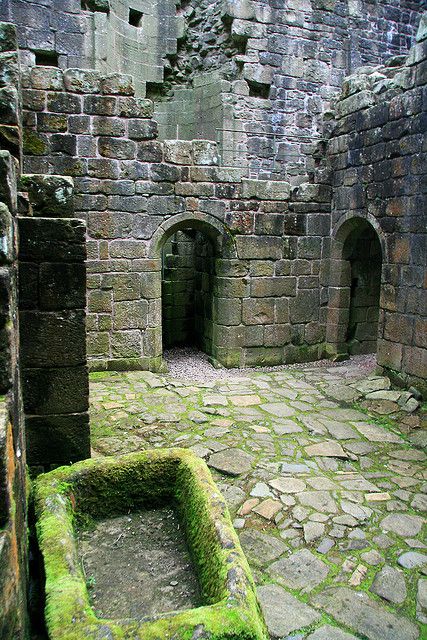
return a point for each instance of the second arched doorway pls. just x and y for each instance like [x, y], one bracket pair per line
[355, 287]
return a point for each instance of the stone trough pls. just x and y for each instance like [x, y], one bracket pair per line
[107, 487]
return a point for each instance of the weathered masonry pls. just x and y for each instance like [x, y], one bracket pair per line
[248, 176]
[277, 214]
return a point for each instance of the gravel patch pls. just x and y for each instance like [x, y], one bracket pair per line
[190, 364]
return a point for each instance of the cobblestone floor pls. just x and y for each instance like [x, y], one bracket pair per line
[328, 490]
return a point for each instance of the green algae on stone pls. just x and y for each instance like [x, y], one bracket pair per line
[100, 488]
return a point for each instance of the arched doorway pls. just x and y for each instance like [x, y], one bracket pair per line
[355, 287]
[192, 254]
[188, 276]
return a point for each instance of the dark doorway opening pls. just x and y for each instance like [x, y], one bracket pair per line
[188, 272]
[362, 250]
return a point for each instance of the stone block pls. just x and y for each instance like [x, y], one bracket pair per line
[259, 73]
[135, 108]
[305, 306]
[8, 37]
[105, 126]
[50, 339]
[241, 9]
[82, 80]
[9, 106]
[258, 311]
[57, 439]
[52, 122]
[294, 224]
[99, 301]
[116, 148]
[263, 356]
[269, 224]
[231, 287]
[44, 239]
[109, 224]
[163, 172]
[244, 29]
[227, 312]
[62, 102]
[49, 196]
[139, 129]
[62, 286]
[355, 102]
[47, 78]
[259, 248]
[260, 268]
[130, 249]
[310, 248]
[9, 69]
[55, 390]
[8, 180]
[277, 335]
[118, 84]
[103, 168]
[62, 143]
[6, 235]
[275, 286]
[100, 105]
[150, 151]
[98, 344]
[307, 192]
[205, 153]
[389, 354]
[414, 361]
[152, 342]
[178, 151]
[130, 315]
[126, 344]
[265, 189]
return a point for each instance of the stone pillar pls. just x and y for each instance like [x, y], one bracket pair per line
[52, 276]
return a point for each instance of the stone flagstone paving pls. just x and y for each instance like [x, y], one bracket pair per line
[328, 496]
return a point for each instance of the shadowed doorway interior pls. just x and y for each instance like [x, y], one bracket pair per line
[188, 271]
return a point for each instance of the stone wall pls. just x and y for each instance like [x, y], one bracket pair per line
[278, 64]
[134, 192]
[378, 159]
[13, 482]
[52, 302]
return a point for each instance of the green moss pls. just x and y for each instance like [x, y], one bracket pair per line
[69, 496]
[33, 144]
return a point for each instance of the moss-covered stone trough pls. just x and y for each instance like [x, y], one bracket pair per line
[102, 488]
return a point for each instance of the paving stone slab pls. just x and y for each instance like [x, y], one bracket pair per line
[268, 508]
[412, 560]
[319, 500]
[328, 632]
[402, 524]
[261, 548]
[389, 583]
[245, 400]
[233, 462]
[287, 485]
[279, 409]
[283, 612]
[328, 449]
[367, 617]
[376, 434]
[422, 601]
[302, 570]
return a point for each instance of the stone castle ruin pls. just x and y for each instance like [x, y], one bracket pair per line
[244, 176]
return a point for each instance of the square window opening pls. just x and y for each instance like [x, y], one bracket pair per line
[135, 18]
[47, 58]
